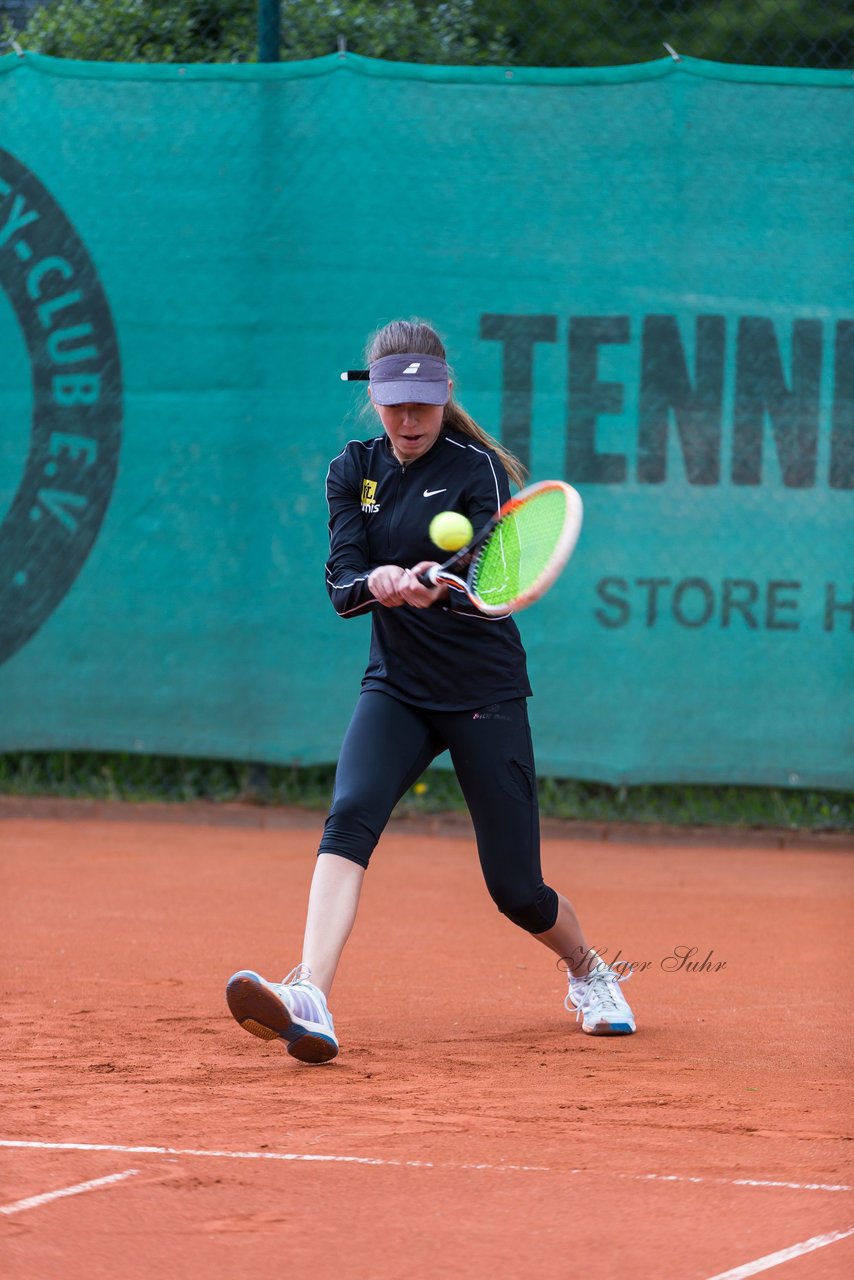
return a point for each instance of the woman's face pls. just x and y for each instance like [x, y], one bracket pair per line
[412, 429]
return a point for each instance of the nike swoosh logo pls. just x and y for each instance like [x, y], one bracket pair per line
[431, 493]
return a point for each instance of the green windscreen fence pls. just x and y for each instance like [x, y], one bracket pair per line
[645, 279]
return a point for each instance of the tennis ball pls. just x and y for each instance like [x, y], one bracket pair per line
[450, 531]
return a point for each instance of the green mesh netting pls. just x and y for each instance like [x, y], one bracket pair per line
[643, 276]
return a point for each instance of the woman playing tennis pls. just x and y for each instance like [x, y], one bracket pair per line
[440, 675]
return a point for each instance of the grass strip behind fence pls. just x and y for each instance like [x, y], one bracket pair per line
[150, 779]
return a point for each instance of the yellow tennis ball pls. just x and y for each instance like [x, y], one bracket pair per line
[450, 531]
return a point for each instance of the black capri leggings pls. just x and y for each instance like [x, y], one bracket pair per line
[389, 745]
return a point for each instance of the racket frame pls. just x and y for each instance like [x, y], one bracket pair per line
[466, 559]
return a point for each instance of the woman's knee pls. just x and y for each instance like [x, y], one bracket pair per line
[534, 911]
[351, 828]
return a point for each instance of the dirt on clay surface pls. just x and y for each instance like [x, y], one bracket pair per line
[468, 1127]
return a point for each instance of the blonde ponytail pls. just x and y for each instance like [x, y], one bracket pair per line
[457, 419]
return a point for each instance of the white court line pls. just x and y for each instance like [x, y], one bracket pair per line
[730, 1182]
[268, 1155]
[21, 1144]
[782, 1255]
[33, 1202]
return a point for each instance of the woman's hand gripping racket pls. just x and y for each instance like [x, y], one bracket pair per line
[520, 553]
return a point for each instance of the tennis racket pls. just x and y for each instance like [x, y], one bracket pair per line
[520, 553]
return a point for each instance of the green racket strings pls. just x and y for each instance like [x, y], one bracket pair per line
[520, 548]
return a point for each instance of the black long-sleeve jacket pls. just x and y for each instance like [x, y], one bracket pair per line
[448, 657]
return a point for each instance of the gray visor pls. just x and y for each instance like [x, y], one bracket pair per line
[410, 379]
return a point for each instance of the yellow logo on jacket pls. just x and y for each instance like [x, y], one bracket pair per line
[369, 493]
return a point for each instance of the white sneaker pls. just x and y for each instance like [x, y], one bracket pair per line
[598, 999]
[293, 1010]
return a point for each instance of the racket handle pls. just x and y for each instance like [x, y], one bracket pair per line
[428, 577]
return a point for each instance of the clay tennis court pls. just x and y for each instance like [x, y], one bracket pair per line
[468, 1127]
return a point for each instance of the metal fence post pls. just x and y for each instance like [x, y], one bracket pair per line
[269, 29]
